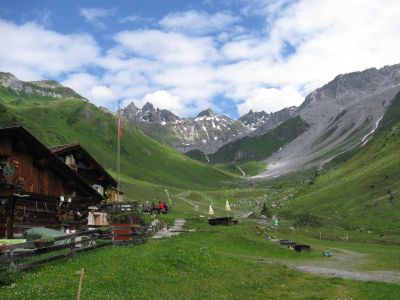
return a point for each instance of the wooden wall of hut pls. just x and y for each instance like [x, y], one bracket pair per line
[43, 186]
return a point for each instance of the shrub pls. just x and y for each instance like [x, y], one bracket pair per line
[308, 219]
[7, 278]
[124, 217]
[3, 109]
[266, 211]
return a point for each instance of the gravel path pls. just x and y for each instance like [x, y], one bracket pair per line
[384, 276]
[168, 232]
[343, 264]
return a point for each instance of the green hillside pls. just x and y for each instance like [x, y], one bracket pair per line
[364, 193]
[60, 121]
[260, 147]
[197, 155]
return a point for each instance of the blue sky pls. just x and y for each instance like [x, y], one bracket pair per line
[185, 56]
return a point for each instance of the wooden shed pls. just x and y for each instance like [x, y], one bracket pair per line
[37, 188]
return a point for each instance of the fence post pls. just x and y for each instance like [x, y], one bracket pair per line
[72, 247]
[13, 266]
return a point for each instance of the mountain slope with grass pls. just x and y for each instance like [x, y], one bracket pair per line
[341, 114]
[364, 193]
[57, 121]
[260, 147]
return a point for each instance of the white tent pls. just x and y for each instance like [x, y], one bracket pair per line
[227, 206]
[210, 210]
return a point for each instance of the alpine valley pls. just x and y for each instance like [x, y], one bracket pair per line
[324, 174]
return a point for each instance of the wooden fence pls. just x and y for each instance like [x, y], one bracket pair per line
[25, 256]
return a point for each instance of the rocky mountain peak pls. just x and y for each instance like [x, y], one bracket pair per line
[148, 114]
[207, 132]
[148, 107]
[346, 88]
[47, 88]
[206, 113]
[261, 122]
[131, 106]
[130, 111]
[47, 83]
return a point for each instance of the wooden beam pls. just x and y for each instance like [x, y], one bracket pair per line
[42, 162]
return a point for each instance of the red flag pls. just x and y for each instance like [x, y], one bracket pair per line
[120, 124]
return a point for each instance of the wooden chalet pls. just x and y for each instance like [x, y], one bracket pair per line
[78, 159]
[39, 189]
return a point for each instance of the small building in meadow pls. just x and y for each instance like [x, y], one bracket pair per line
[37, 188]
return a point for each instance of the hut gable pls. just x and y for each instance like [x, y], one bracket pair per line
[80, 160]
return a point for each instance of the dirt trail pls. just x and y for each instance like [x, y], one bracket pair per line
[343, 264]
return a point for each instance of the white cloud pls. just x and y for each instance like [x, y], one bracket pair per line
[32, 52]
[101, 94]
[134, 18]
[271, 100]
[81, 82]
[185, 61]
[94, 15]
[197, 22]
[327, 38]
[166, 100]
[91, 87]
[165, 47]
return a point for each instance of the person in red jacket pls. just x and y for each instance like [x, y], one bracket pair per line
[161, 206]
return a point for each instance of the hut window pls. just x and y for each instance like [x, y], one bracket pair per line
[99, 189]
[7, 170]
[70, 161]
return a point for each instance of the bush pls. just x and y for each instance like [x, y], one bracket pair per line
[7, 278]
[308, 219]
[124, 217]
[3, 109]
[266, 211]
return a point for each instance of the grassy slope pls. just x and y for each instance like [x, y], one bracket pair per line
[56, 121]
[213, 263]
[197, 155]
[363, 194]
[262, 146]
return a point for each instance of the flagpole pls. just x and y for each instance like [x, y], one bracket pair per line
[118, 152]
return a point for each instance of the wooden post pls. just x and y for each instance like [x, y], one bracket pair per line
[10, 218]
[80, 284]
[12, 261]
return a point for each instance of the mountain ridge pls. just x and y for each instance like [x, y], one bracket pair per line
[207, 131]
[46, 88]
[342, 114]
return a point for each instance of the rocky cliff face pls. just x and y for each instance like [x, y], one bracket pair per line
[262, 122]
[47, 88]
[342, 115]
[206, 132]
